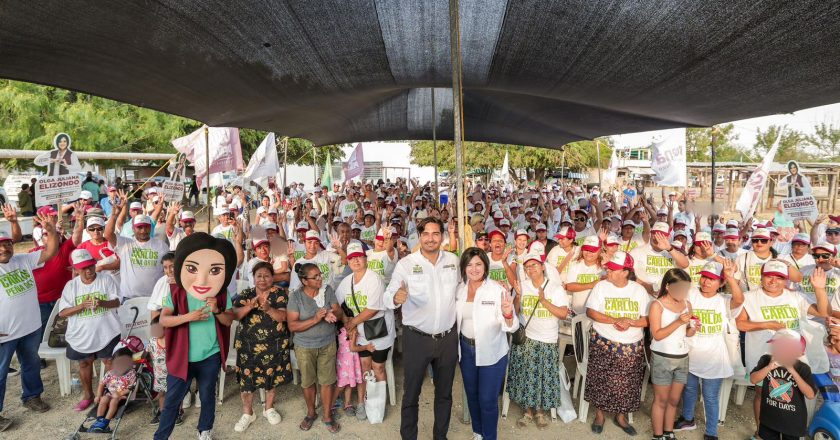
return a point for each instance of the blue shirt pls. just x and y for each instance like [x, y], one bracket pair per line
[105, 204]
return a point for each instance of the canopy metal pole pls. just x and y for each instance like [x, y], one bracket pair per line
[714, 173]
[434, 146]
[598, 153]
[285, 160]
[207, 173]
[315, 166]
[457, 114]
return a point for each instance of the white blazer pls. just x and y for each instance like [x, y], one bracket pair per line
[488, 323]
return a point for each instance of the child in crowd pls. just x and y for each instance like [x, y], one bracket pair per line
[787, 382]
[115, 387]
[349, 372]
[157, 353]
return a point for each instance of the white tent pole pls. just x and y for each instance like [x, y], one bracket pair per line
[457, 113]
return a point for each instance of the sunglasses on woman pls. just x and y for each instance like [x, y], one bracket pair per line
[95, 229]
[315, 277]
[760, 240]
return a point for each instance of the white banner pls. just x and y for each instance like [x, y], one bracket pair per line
[355, 166]
[800, 207]
[751, 196]
[224, 148]
[668, 157]
[263, 163]
[52, 190]
[610, 177]
[172, 190]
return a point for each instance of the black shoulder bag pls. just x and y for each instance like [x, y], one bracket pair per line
[373, 328]
[519, 337]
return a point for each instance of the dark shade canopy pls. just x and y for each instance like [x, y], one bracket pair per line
[538, 73]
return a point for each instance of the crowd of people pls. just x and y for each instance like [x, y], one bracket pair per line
[330, 277]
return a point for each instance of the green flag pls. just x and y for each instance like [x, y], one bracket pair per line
[326, 177]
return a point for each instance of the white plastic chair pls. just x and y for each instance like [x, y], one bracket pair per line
[58, 354]
[295, 368]
[580, 341]
[229, 362]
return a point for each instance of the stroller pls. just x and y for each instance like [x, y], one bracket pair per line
[826, 422]
[141, 390]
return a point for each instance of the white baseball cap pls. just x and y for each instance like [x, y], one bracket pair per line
[661, 227]
[355, 249]
[140, 220]
[702, 236]
[85, 195]
[95, 221]
[591, 243]
[801, 238]
[302, 226]
[619, 261]
[81, 258]
[135, 206]
[187, 216]
[826, 246]
[775, 268]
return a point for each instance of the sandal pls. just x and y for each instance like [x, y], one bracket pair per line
[524, 420]
[83, 405]
[307, 422]
[542, 421]
[333, 427]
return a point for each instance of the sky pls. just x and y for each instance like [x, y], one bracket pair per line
[397, 154]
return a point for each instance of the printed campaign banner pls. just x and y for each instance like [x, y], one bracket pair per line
[355, 166]
[800, 207]
[668, 157]
[55, 190]
[172, 190]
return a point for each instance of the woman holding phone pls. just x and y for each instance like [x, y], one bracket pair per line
[485, 313]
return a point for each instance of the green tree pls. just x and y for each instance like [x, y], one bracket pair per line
[31, 114]
[698, 142]
[826, 141]
[791, 145]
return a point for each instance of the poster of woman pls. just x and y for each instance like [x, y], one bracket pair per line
[795, 182]
[61, 160]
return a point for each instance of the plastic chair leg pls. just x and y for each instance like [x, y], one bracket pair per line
[505, 404]
[262, 396]
[725, 392]
[222, 375]
[64, 378]
[583, 405]
[575, 386]
[391, 381]
[739, 394]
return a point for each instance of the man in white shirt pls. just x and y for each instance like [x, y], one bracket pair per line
[20, 315]
[424, 284]
[140, 256]
[186, 225]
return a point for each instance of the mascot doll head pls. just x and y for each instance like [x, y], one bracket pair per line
[204, 265]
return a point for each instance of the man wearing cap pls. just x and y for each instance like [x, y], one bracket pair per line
[20, 321]
[424, 284]
[629, 238]
[582, 226]
[653, 259]
[825, 258]
[107, 203]
[829, 231]
[226, 221]
[135, 209]
[731, 244]
[328, 262]
[139, 256]
[770, 307]
[750, 262]
[718, 241]
[186, 224]
[347, 208]
[89, 302]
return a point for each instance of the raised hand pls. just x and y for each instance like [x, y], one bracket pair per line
[728, 268]
[9, 212]
[507, 303]
[818, 278]
[402, 294]
[174, 207]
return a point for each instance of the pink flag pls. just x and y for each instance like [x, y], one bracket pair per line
[355, 166]
[225, 151]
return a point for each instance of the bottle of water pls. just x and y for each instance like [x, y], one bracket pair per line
[75, 385]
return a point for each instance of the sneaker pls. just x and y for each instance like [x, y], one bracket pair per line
[156, 419]
[684, 425]
[244, 422]
[36, 404]
[5, 423]
[361, 414]
[180, 419]
[187, 401]
[669, 435]
[273, 416]
[709, 437]
[477, 436]
[205, 435]
[13, 372]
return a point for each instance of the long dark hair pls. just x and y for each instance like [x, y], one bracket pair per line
[202, 240]
[468, 255]
[674, 275]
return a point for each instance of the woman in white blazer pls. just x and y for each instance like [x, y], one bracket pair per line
[485, 313]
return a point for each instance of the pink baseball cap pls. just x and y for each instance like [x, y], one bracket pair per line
[619, 261]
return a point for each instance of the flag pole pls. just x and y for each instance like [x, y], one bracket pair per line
[598, 155]
[457, 113]
[207, 173]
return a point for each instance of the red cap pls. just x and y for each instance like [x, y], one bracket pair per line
[620, 260]
[496, 232]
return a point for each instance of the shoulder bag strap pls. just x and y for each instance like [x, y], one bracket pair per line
[534, 310]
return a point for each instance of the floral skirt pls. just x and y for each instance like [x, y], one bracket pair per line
[534, 375]
[614, 374]
[262, 365]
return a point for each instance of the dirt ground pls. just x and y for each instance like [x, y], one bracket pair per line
[62, 420]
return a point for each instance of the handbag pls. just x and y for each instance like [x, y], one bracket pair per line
[519, 337]
[57, 338]
[373, 328]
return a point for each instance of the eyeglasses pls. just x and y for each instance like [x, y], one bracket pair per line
[481, 239]
[760, 240]
[95, 229]
[835, 232]
[580, 219]
[316, 277]
[822, 256]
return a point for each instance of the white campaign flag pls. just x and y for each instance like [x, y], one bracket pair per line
[263, 163]
[505, 168]
[611, 176]
[751, 196]
[668, 157]
[224, 148]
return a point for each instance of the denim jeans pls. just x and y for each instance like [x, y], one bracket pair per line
[711, 400]
[483, 385]
[206, 374]
[30, 365]
[46, 310]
